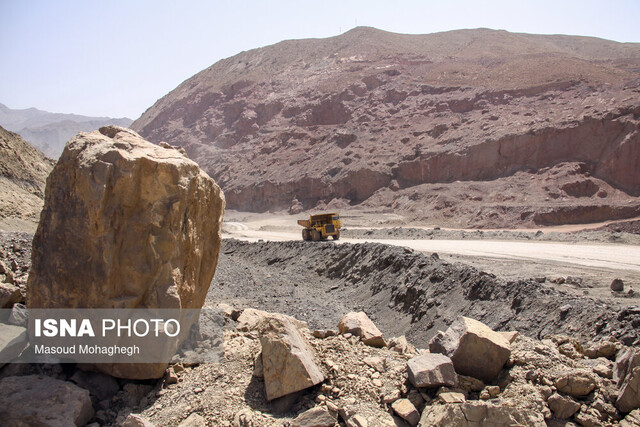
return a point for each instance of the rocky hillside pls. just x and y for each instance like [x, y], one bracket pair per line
[49, 132]
[23, 174]
[470, 127]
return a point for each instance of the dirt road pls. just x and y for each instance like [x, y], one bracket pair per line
[609, 256]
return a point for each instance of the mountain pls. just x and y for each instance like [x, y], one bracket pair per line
[50, 131]
[23, 174]
[468, 128]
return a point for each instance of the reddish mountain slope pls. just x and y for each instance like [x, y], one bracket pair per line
[469, 128]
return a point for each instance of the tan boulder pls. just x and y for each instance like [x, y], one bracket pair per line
[407, 411]
[475, 349]
[126, 224]
[626, 359]
[360, 325]
[135, 420]
[39, 400]
[250, 319]
[480, 413]
[194, 420]
[288, 363]
[9, 295]
[576, 383]
[315, 417]
[13, 340]
[631, 420]
[431, 370]
[562, 407]
[629, 396]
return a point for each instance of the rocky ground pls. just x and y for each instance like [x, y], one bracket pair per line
[405, 293]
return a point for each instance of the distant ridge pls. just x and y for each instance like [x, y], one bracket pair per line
[465, 128]
[50, 131]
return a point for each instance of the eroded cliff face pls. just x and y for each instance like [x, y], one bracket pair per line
[477, 127]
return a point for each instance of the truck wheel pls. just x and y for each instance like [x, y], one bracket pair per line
[315, 235]
[336, 236]
[306, 235]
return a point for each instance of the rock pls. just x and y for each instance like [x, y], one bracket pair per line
[135, 420]
[250, 319]
[631, 420]
[6, 275]
[376, 363]
[361, 326]
[576, 383]
[451, 397]
[9, 295]
[315, 417]
[626, 359]
[324, 333]
[470, 383]
[134, 225]
[405, 409]
[617, 285]
[171, 377]
[13, 340]
[40, 400]
[258, 369]
[357, 421]
[562, 407]
[287, 359]
[431, 370]
[480, 413]
[401, 345]
[100, 385]
[19, 315]
[510, 335]
[474, 349]
[606, 349]
[605, 371]
[194, 420]
[629, 396]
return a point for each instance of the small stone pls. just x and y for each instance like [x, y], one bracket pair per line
[451, 397]
[376, 363]
[562, 407]
[171, 377]
[314, 417]
[604, 371]
[493, 390]
[357, 421]
[405, 409]
[194, 420]
[377, 383]
[361, 326]
[135, 420]
[391, 397]
[617, 285]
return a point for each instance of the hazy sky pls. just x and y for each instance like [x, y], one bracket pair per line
[117, 57]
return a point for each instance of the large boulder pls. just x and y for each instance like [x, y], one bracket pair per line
[475, 349]
[432, 370]
[576, 383]
[629, 396]
[360, 325]
[126, 224]
[43, 401]
[288, 363]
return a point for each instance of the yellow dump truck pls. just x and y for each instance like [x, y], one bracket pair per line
[321, 226]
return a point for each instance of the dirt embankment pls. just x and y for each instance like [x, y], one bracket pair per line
[404, 292]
